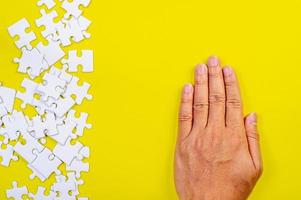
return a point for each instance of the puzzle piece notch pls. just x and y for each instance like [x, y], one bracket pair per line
[19, 29]
[16, 192]
[73, 61]
[72, 8]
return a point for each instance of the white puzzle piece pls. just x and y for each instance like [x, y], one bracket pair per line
[19, 29]
[31, 62]
[85, 60]
[47, 20]
[72, 8]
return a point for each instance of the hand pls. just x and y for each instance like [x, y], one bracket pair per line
[217, 154]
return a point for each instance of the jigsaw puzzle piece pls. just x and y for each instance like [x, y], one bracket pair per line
[19, 29]
[73, 61]
[14, 124]
[52, 52]
[44, 165]
[16, 192]
[72, 8]
[52, 87]
[77, 165]
[31, 62]
[47, 20]
[30, 149]
[81, 92]
[65, 131]
[81, 121]
[68, 152]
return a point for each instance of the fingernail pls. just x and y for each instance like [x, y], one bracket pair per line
[213, 61]
[228, 71]
[252, 118]
[188, 88]
[201, 69]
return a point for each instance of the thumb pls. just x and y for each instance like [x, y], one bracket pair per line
[253, 140]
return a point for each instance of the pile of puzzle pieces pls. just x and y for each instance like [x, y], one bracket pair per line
[53, 99]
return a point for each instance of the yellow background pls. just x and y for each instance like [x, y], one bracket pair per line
[144, 52]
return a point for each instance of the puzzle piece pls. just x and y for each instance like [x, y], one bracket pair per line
[78, 28]
[7, 154]
[47, 20]
[81, 92]
[81, 121]
[40, 194]
[30, 149]
[52, 87]
[73, 61]
[52, 52]
[14, 124]
[31, 62]
[66, 187]
[77, 165]
[48, 3]
[61, 106]
[72, 8]
[68, 152]
[65, 131]
[28, 96]
[44, 165]
[19, 29]
[40, 127]
[16, 192]
[74, 28]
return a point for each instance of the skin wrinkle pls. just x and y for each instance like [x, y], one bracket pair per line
[217, 158]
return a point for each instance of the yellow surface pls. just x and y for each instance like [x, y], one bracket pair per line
[145, 51]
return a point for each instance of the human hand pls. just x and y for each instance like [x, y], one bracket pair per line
[217, 153]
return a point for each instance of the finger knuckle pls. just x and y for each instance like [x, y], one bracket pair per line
[185, 116]
[234, 103]
[200, 105]
[217, 98]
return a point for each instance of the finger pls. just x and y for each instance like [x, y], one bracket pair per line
[185, 114]
[200, 97]
[234, 116]
[253, 141]
[216, 92]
